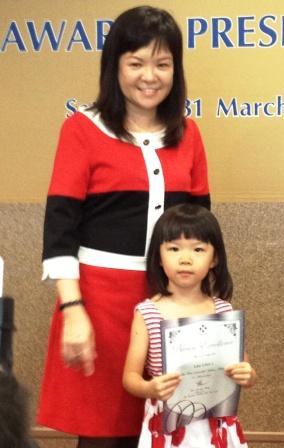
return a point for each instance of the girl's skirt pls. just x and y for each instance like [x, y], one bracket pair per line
[225, 432]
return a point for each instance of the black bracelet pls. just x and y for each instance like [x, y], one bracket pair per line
[71, 303]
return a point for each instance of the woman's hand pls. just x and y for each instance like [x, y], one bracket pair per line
[78, 336]
[241, 373]
[78, 339]
[163, 387]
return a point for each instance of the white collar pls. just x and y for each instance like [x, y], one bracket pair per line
[156, 137]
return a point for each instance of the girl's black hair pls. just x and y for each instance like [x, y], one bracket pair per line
[134, 29]
[191, 221]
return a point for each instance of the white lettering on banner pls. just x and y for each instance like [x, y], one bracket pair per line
[252, 109]
[241, 32]
[13, 37]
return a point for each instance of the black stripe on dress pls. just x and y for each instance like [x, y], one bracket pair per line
[61, 224]
[112, 222]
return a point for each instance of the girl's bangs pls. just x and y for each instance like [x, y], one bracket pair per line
[188, 228]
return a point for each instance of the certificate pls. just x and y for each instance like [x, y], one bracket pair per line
[199, 348]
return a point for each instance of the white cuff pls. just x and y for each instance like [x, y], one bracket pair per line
[66, 267]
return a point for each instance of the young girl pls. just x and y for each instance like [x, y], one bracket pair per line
[187, 267]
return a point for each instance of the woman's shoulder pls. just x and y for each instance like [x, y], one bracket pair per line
[191, 130]
[79, 119]
[87, 121]
[190, 124]
[83, 115]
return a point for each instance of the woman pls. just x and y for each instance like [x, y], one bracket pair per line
[118, 165]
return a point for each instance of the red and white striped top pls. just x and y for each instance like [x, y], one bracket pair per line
[153, 318]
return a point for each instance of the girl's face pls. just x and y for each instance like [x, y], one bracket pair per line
[186, 262]
[145, 78]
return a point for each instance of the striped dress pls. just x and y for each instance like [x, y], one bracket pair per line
[225, 432]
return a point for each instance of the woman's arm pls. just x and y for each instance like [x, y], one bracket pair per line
[78, 337]
[160, 387]
[242, 373]
[199, 171]
[63, 217]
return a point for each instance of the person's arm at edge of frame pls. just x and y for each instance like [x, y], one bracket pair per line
[160, 387]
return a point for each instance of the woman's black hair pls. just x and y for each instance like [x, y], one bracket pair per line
[134, 29]
[191, 221]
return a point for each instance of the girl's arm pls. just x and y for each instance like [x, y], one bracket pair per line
[78, 337]
[242, 373]
[160, 387]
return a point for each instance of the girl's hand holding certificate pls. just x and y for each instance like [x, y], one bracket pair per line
[162, 387]
[241, 373]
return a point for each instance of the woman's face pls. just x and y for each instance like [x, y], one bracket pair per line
[145, 78]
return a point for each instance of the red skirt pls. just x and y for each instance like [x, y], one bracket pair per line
[96, 406]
